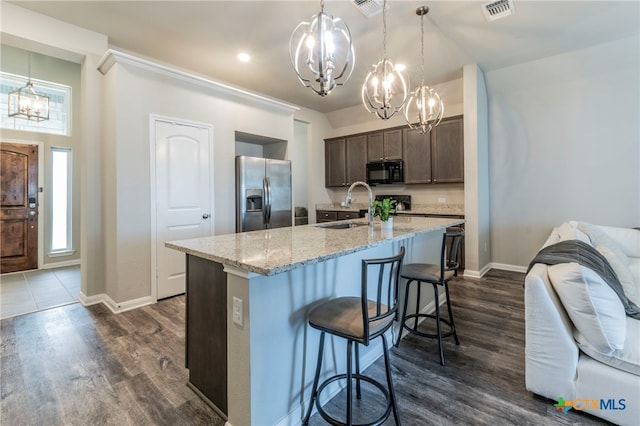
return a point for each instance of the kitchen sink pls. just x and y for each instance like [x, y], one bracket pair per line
[340, 225]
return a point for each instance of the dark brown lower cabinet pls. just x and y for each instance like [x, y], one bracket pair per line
[206, 331]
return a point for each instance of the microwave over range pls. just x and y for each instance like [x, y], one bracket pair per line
[384, 172]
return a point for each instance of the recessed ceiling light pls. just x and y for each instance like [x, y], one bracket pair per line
[244, 57]
[400, 67]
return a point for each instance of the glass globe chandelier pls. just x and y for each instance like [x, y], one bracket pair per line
[424, 109]
[322, 53]
[385, 88]
[25, 103]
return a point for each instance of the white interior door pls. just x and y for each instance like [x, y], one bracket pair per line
[183, 197]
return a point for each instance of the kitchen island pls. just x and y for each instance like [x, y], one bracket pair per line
[249, 350]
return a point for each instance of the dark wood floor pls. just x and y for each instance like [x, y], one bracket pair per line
[83, 366]
[483, 381]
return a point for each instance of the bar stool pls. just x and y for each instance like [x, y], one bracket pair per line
[436, 275]
[359, 320]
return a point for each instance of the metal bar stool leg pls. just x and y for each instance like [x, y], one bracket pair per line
[358, 394]
[453, 327]
[415, 324]
[314, 388]
[349, 387]
[404, 312]
[392, 393]
[438, 325]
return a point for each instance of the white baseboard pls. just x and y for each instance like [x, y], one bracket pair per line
[468, 273]
[89, 300]
[507, 267]
[114, 306]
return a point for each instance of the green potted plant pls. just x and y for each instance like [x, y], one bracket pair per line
[384, 209]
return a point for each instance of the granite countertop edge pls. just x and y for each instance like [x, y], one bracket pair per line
[269, 271]
[294, 265]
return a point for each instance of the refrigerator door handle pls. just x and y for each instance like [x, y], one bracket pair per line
[268, 201]
[265, 201]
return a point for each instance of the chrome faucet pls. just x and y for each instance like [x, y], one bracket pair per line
[347, 202]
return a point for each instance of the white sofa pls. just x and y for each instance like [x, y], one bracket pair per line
[579, 346]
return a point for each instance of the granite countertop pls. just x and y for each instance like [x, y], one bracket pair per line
[274, 251]
[440, 208]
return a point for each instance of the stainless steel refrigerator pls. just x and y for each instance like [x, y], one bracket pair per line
[263, 193]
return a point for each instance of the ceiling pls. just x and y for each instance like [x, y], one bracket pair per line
[205, 36]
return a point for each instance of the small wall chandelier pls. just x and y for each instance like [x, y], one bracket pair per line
[322, 53]
[25, 103]
[425, 108]
[385, 89]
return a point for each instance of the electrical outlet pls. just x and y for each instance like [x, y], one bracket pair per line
[442, 200]
[238, 311]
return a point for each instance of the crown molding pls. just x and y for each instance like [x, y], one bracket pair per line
[111, 57]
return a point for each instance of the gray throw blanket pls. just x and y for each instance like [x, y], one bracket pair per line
[583, 254]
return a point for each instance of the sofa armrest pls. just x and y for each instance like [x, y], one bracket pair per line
[551, 353]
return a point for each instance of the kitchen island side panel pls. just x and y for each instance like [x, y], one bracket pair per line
[272, 356]
[206, 333]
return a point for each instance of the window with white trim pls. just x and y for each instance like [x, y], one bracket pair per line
[61, 200]
[59, 122]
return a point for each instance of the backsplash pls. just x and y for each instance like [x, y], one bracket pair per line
[451, 194]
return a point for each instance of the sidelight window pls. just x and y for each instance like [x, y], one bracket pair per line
[61, 200]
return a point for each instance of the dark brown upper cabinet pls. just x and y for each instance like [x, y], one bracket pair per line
[384, 145]
[417, 157]
[356, 159]
[437, 157]
[447, 151]
[335, 166]
[345, 160]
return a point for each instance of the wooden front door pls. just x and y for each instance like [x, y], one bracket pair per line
[18, 207]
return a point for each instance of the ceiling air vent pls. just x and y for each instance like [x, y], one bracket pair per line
[368, 8]
[498, 9]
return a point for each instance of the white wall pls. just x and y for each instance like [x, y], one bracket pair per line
[476, 173]
[299, 156]
[136, 93]
[39, 33]
[318, 130]
[564, 144]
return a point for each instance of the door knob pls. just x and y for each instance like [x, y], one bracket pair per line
[205, 216]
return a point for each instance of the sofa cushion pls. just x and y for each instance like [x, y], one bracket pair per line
[634, 269]
[627, 239]
[570, 231]
[594, 308]
[626, 359]
[622, 267]
[616, 256]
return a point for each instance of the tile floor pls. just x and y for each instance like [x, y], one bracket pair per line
[31, 291]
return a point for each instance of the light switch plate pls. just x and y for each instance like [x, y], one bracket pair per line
[238, 311]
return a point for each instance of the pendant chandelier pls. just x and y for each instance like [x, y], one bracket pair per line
[322, 53]
[25, 103]
[425, 108]
[385, 89]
